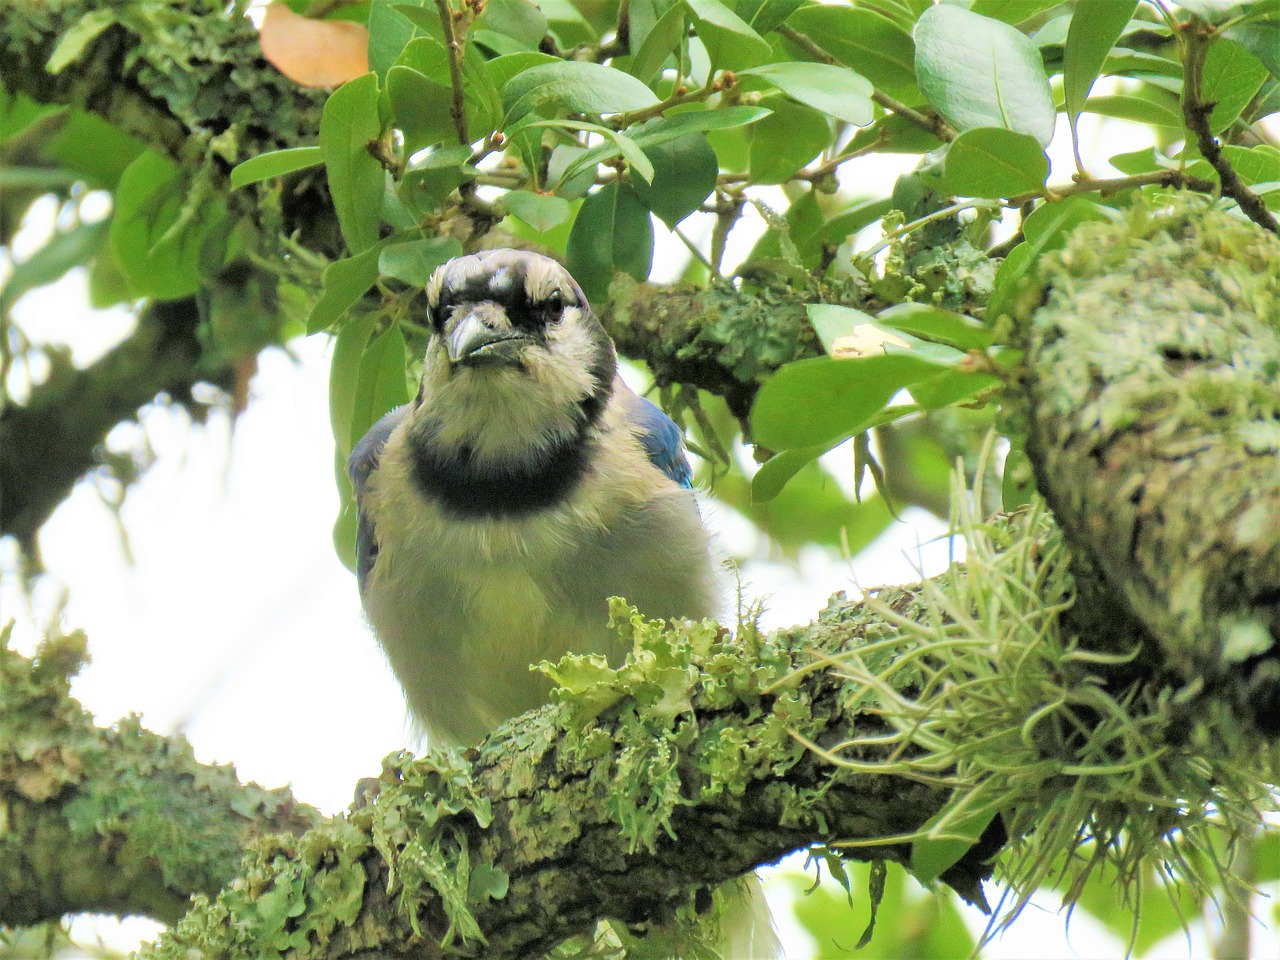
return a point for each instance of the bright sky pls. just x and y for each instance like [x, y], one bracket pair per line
[235, 624]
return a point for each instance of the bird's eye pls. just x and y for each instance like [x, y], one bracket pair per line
[555, 302]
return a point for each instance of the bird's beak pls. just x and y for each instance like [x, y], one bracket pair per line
[473, 343]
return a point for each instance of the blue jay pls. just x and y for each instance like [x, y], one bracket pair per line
[522, 487]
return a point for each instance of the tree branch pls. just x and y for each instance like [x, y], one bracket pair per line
[1195, 114]
[112, 820]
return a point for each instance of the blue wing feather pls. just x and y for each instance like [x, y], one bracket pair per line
[364, 460]
[663, 441]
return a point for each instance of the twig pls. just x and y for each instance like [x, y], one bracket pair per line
[934, 124]
[1106, 187]
[1195, 114]
[457, 109]
[624, 120]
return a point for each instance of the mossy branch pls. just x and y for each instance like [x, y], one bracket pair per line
[1152, 390]
[112, 820]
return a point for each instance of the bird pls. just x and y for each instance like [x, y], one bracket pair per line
[521, 487]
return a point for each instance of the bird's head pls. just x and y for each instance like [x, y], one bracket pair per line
[516, 359]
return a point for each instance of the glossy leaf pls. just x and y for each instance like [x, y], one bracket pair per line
[659, 43]
[612, 232]
[871, 44]
[816, 402]
[934, 323]
[421, 107]
[1232, 75]
[382, 383]
[414, 261]
[684, 173]
[787, 140]
[390, 30]
[666, 129]
[481, 103]
[574, 87]
[1013, 11]
[947, 840]
[836, 91]
[538, 210]
[766, 15]
[348, 125]
[344, 283]
[277, 163]
[858, 217]
[1262, 39]
[994, 162]
[831, 322]
[1095, 27]
[1155, 108]
[344, 374]
[980, 72]
[731, 43]
[518, 19]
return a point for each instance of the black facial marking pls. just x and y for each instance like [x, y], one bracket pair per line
[467, 490]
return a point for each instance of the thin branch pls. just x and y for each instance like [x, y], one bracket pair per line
[712, 87]
[934, 124]
[1195, 114]
[457, 109]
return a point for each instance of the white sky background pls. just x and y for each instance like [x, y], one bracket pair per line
[237, 625]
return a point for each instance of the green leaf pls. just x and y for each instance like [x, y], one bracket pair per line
[994, 162]
[344, 283]
[684, 173]
[1013, 11]
[982, 73]
[502, 69]
[416, 260]
[18, 112]
[274, 164]
[1095, 27]
[815, 402]
[390, 31]
[421, 108]
[382, 383]
[1154, 108]
[79, 36]
[518, 19]
[731, 43]
[666, 129]
[64, 250]
[348, 125]
[432, 116]
[1232, 75]
[871, 44]
[659, 44]
[1045, 229]
[786, 140]
[629, 149]
[158, 239]
[538, 210]
[836, 91]
[612, 232]
[574, 87]
[857, 217]
[950, 833]
[766, 15]
[99, 152]
[1262, 39]
[344, 374]
[831, 322]
[1260, 164]
[934, 323]
[780, 468]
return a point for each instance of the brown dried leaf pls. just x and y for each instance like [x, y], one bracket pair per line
[314, 53]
